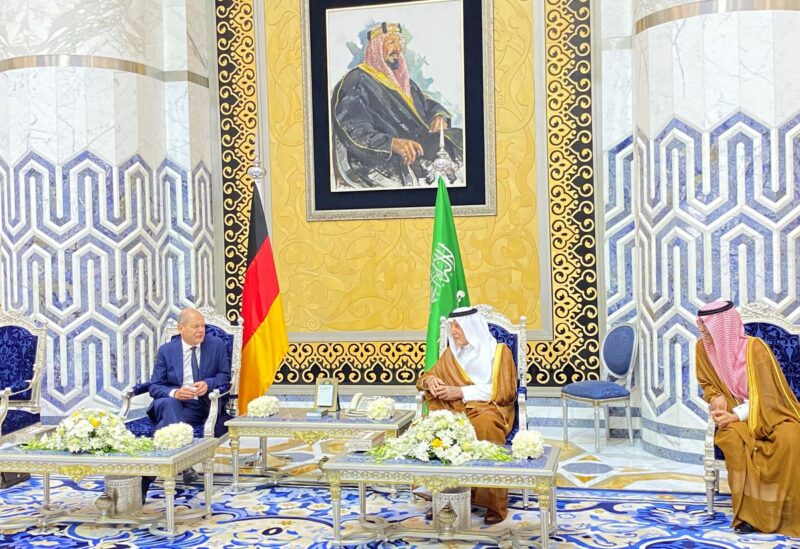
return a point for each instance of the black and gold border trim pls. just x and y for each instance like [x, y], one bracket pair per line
[573, 354]
[238, 118]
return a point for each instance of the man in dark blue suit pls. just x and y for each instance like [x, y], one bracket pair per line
[186, 369]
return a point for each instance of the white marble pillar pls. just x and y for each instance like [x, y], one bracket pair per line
[717, 195]
[614, 135]
[105, 188]
[615, 77]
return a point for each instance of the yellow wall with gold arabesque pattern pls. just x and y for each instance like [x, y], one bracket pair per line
[343, 281]
[372, 275]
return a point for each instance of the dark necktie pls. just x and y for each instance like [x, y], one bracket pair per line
[195, 366]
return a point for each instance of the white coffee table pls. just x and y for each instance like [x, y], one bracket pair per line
[292, 423]
[539, 475]
[160, 463]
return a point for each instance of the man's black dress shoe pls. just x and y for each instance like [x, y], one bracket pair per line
[744, 528]
[492, 518]
[190, 476]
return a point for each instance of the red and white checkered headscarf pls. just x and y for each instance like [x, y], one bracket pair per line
[373, 56]
[727, 349]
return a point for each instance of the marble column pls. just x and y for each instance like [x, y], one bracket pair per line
[614, 136]
[717, 195]
[616, 161]
[105, 187]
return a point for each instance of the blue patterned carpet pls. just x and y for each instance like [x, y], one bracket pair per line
[300, 517]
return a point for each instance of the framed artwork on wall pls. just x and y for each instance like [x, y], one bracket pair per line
[387, 85]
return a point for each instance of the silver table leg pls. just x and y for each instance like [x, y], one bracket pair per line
[235, 460]
[46, 488]
[362, 499]
[336, 508]
[263, 444]
[169, 492]
[543, 490]
[208, 465]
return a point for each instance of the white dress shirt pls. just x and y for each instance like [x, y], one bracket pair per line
[188, 377]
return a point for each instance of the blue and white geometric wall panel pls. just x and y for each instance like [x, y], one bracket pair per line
[103, 255]
[620, 236]
[719, 218]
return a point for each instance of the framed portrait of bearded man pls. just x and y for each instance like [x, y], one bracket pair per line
[397, 95]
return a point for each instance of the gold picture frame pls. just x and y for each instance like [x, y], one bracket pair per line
[326, 394]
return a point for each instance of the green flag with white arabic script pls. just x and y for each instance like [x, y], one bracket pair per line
[448, 285]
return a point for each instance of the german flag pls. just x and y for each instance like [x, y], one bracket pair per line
[265, 342]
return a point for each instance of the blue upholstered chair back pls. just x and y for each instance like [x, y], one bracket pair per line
[219, 333]
[504, 336]
[511, 340]
[17, 359]
[619, 350]
[784, 345]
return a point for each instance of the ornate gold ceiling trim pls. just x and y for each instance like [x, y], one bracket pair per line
[711, 7]
[99, 62]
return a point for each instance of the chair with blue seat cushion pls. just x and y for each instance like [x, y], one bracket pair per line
[618, 355]
[223, 400]
[783, 339]
[22, 356]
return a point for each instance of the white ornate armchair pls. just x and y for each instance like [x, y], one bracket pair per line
[784, 341]
[223, 400]
[514, 336]
[22, 356]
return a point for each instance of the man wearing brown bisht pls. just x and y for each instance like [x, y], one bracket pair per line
[476, 375]
[758, 422]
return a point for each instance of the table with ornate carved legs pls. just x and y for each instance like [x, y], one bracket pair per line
[165, 463]
[539, 474]
[292, 423]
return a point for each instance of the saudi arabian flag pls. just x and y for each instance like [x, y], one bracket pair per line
[448, 286]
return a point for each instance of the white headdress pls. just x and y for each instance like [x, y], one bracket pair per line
[477, 356]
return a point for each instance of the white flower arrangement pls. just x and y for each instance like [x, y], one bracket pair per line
[441, 435]
[173, 436]
[263, 406]
[92, 431]
[380, 408]
[527, 444]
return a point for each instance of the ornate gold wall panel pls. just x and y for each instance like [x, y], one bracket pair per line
[572, 355]
[373, 275]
